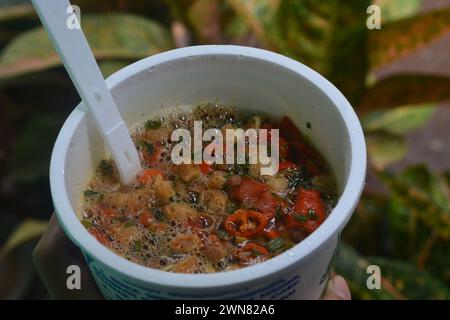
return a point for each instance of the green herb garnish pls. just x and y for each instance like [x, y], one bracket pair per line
[275, 244]
[137, 246]
[241, 169]
[149, 147]
[222, 234]
[256, 253]
[312, 215]
[92, 194]
[158, 214]
[192, 196]
[227, 175]
[278, 213]
[86, 223]
[128, 224]
[153, 124]
[105, 168]
[231, 208]
[300, 217]
[295, 177]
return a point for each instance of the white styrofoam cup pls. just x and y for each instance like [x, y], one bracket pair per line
[244, 77]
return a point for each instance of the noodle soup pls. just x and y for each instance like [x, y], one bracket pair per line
[203, 218]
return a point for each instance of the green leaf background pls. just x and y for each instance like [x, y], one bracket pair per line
[402, 222]
[112, 36]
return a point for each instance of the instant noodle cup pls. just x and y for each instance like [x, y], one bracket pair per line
[249, 79]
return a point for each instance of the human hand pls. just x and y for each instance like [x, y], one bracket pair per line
[55, 252]
[337, 289]
[52, 255]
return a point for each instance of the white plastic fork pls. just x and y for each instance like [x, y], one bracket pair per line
[80, 63]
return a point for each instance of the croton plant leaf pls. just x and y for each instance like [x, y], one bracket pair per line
[111, 36]
[393, 10]
[15, 17]
[326, 35]
[11, 12]
[205, 18]
[109, 67]
[143, 7]
[399, 280]
[424, 194]
[408, 238]
[36, 139]
[353, 267]
[260, 16]
[29, 229]
[385, 149]
[400, 38]
[399, 120]
[405, 89]
[363, 229]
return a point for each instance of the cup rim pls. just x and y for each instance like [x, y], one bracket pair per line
[331, 226]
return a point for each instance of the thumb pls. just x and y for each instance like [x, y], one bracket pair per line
[337, 289]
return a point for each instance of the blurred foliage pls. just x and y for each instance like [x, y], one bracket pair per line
[27, 230]
[385, 131]
[408, 230]
[403, 226]
[111, 36]
[408, 89]
[401, 37]
[400, 279]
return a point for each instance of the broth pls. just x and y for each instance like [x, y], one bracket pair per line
[201, 218]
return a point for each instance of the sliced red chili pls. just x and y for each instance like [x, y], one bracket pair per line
[256, 248]
[206, 168]
[271, 234]
[299, 148]
[284, 165]
[252, 193]
[145, 219]
[152, 158]
[246, 223]
[251, 253]
[289, 130]
[105, 211]
[267, 204]
[309, 211]
[202, 221]
[283, 148]
[248, 190]
[99, 236]
[282, 142]
[147, 175]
